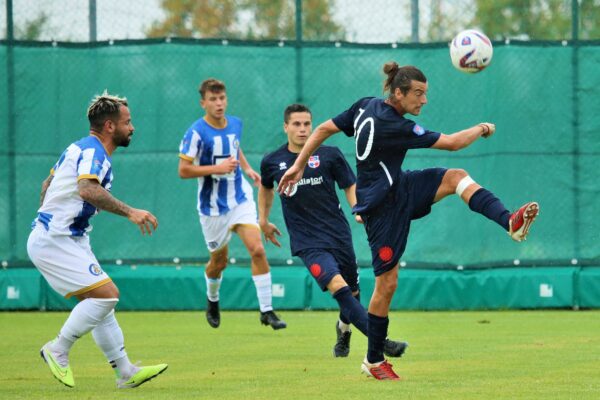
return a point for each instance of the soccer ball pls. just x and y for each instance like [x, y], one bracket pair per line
[471, 51]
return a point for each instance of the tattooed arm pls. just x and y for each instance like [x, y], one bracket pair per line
[91, 191]
[45, 186]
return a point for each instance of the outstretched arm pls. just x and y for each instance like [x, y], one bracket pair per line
[91, 191]
[45, 186]
[464, 138]
[265, 202]
[294, 173]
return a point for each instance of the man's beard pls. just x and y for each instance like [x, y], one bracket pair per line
[122, 141]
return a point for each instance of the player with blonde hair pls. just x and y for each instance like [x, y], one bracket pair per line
[59, 246]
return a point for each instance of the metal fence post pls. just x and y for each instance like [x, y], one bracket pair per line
[92, 21]
[575, 125]
[299, 43]
[10, 121]
[414, 13]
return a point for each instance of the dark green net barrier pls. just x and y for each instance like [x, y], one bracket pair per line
[544, 98]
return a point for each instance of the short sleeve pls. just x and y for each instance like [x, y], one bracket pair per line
[188, 148]
[266, 177]
[342, 172]
[92, 164]
[410, 135]
[345, 120]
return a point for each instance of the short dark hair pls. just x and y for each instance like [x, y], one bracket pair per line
[400, 77]
[103, 107]
[294, 108]
[211, 85]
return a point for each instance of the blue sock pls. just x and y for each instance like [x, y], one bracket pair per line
[484, 202]
[378, 327]
[351, 309]
[342, 316]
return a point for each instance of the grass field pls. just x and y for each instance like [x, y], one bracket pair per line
[452, 355]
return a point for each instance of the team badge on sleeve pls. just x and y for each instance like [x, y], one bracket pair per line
[418, 130]
[313, 161]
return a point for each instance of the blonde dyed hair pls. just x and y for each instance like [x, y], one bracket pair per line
[104, 106]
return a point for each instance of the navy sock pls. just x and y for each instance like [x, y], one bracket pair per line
[378, 327]
[351, 308]
[342, 316]
[484, 202]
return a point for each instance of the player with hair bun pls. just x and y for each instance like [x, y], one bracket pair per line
[320, 235]
[388, 197]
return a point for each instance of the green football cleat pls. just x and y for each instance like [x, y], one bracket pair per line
[63, 374]
[142, 376]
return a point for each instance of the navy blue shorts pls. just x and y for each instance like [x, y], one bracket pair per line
[388, 225]
[324, 264]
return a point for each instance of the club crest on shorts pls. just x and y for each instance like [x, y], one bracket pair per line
[313, 161]
[213, 245]
[95, 269]
[282, 166]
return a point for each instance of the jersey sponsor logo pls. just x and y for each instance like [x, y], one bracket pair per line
[313, 161]
[418, 130]
[282, 166]
[317, 180]
[95, 269]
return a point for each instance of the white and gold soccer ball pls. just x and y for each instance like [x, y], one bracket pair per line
[471, 51]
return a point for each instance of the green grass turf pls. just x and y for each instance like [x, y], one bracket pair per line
[452, 355]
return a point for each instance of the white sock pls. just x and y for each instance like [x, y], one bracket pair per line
[212, 287]
[109, 337]
[343, 326]
[263, 291]
[83, 318]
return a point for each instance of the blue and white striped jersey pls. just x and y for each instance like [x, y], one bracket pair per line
[206, 145]
[64, 212]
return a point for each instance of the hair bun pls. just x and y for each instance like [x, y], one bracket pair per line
[391, 67]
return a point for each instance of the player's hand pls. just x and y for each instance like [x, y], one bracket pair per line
[144, 219]
[270, 230]
[359, 219]
[488, 129]
[227, 166]
[289, 179]
[255, 176]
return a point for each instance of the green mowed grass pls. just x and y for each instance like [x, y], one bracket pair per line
[452, 355]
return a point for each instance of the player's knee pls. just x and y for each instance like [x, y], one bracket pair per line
[391, 286]
[387, 287]
[257, 252]
[218, 264]
[453, 177]
[456, 175]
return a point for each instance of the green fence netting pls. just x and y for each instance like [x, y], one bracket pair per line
[543, 96]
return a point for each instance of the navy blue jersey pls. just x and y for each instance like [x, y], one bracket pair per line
[312, 213]
[382, 138]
